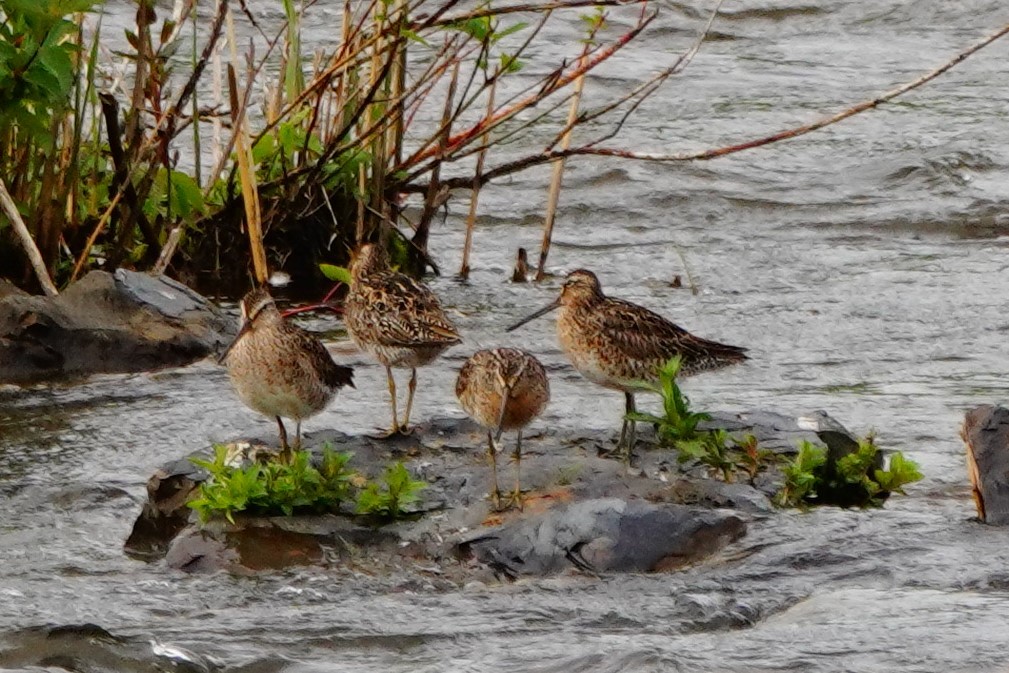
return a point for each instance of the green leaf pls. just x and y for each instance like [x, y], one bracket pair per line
[514, 28]
[338, 274]
[413, 37]
[187, 197]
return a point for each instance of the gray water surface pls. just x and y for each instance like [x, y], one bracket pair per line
[865, 268]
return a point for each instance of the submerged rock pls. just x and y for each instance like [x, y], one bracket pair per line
[105, 323]
[89, 647]
[582, 510]
[985, 432]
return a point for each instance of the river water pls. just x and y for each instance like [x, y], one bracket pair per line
[863, 265]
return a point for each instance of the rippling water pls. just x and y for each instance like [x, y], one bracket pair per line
[865, 268]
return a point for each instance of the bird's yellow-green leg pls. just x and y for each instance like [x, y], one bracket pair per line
[392, 397]
[285, 449]
[405, 427]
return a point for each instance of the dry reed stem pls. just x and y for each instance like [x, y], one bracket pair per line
[554, 194]
[27, 242]
[99, 228]
[246, 171]
[477, 184]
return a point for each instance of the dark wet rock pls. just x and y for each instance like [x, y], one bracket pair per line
[985, 432]
[605, 535]
[658, 516]
[106, 323]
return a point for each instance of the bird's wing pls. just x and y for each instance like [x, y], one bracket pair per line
[645, 335]
[409, 314]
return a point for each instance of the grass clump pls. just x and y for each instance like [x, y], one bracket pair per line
[857, 479]
[286, 488]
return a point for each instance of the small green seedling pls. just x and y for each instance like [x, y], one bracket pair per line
[389, 498]
[677, 423]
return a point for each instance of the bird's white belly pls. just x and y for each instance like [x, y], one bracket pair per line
[270, 399]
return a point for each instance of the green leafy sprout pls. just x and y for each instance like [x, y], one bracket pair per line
[678, 423]
[390, 498]
[299, 486]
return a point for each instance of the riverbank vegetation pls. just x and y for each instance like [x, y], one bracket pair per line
[211, 144]
[223, 158]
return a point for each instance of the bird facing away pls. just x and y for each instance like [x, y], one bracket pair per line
[503, 389]
[396, 320]
[279, 369]
[622, 346]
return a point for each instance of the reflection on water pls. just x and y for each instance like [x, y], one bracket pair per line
[860, 265]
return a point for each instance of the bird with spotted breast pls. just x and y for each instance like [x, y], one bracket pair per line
[395, 319]
[622, 346]
[503, 389]
[279, 369]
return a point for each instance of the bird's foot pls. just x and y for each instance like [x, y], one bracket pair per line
[503, 504]
[390, 433]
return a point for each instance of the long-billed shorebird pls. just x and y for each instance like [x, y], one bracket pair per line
[622, 346]
[395, 319]
[279, 369]
[503, 389]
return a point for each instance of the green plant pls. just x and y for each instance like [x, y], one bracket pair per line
[900, 472]
[751, 458]
[274, 487]
[389, 499]
[712, 450]
[678, 423]
[856, 479]
[801, 475]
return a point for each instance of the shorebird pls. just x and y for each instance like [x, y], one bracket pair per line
[279, 369]
[503, 389]
[395, 319]
[622, 346]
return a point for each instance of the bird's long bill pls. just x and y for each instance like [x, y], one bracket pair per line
[505, 394]
[543, 311]
[246, 324]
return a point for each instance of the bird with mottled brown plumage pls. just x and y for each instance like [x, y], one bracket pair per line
[503, 389]
[622, 346]
[395, 319]
[279, 369]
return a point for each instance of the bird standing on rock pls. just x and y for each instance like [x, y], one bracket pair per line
[622, 346]
[279, 369]
[503, 389]
[395, 319]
